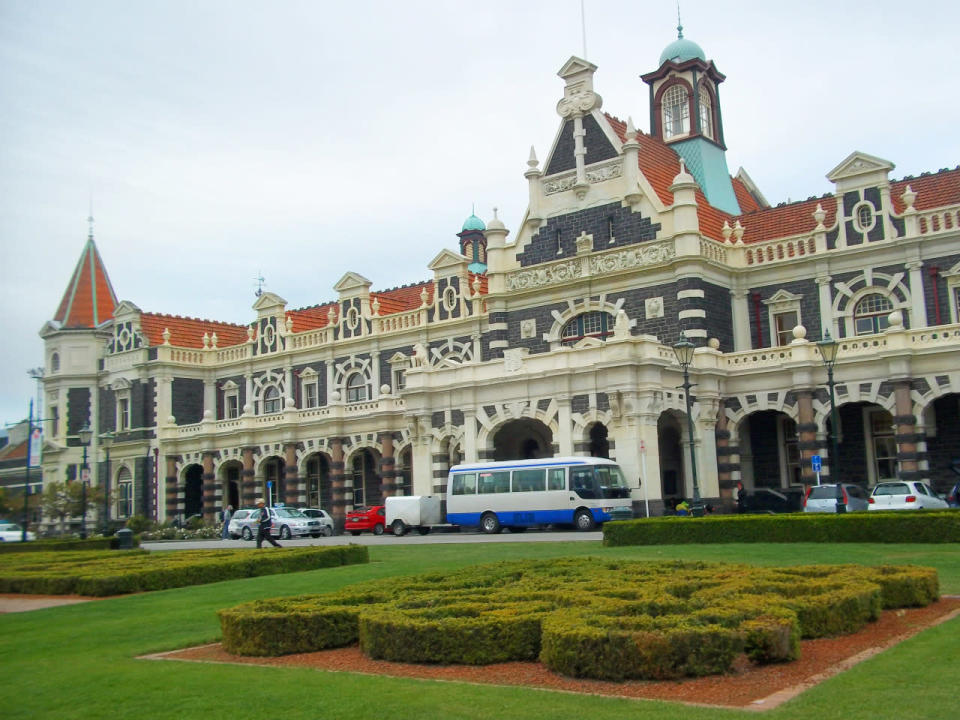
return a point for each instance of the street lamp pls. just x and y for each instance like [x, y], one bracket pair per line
[829, 348]
[684, 352]
[106, 440]
[85, 435]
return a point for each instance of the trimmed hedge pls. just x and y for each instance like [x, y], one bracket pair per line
[61, 545]
[585, 617]
[101, 574]
[916, 526]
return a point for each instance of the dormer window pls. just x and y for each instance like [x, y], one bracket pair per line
[676, 112]
[706, 113]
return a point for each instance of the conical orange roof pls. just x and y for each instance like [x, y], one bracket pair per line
[89, 299]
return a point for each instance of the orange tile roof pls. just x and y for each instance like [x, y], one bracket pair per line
[89, 299]
[932, 189]
[786, 220]
[310, 318]
[14, 451]
[188, 332]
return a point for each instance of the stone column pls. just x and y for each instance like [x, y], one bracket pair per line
[725, 482]
[565, 426]
[209, 487]
[248, 484]
[336, 483]
[907, 437]
[172, 492]
[388, 468]
[293, 491]
[806, 435]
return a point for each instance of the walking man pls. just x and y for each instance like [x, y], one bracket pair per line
[263, 528]
[225, 530]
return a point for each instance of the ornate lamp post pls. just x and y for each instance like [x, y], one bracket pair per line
[106, 440]
[829, 348]
[684, 352]
[85, 435]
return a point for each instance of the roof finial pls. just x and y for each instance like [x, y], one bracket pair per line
[679, 24]
[90, 220]
[583, 25]
[495, 213]
[259, 280]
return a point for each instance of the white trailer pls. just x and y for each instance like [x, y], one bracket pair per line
[405, 513]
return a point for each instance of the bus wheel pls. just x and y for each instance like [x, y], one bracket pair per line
[583, 521]
[490, 524]
[398, 527]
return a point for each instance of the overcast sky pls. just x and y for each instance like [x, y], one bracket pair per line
[220, 140]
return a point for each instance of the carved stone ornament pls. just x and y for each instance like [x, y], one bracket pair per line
[578, 100]
[593, 175]
[639, 256]
[528, 329]
[653, 307]
[549, 275]
[513, 360]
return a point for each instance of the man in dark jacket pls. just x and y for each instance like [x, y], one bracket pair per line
[263, 528]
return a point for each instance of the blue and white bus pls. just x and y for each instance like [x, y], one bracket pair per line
[517, 494]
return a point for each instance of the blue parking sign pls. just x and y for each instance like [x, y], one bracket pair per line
[815, 463]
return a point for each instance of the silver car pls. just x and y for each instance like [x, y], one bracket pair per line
[243, 524]
[905, 495]
[823, 498]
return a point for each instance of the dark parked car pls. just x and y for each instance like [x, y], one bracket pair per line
[770, 500]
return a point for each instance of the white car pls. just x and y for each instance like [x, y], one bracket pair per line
[11, 532]
[243, 524]
[326, 522]
[905, 495]
[285, 523]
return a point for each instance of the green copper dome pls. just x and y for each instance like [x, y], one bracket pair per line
[473, 223]
[682, 49]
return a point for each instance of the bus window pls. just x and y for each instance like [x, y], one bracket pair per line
[556, 479]
[529, 480]
[464, 484]
[494, 482]
[583, 483]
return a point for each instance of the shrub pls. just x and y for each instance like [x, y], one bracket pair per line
[886, 527]
[584, 617]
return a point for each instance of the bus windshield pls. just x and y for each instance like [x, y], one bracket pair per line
[612, 482]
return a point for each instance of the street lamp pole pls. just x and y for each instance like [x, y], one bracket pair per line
[85, 435]
[829, 348]
[106, 440]
[684, 352]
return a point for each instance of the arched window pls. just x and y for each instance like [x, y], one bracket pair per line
[271, 400]
[356, 388]
[706, 113]
[591, 324]
[124, 493]
[55, 362]
[870, 314]
[676, 112]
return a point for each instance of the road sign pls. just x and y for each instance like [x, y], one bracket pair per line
[816, 463]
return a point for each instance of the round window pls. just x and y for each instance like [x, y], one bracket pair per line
[449, 298]
[268, 335]
[864, 217]
[353, 318]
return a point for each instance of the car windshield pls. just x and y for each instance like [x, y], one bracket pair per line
[891, 489]
[612, 482]
[289, 513]
[10, 526]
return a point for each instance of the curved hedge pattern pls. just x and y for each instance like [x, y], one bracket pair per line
[585, 617]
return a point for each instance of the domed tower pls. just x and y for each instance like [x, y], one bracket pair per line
[473, 244]
[685, 114]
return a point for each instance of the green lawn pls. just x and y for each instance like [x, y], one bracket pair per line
[78, 661]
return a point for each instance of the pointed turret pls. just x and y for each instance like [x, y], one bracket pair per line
[89, 298]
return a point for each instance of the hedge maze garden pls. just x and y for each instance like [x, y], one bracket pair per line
[585, 617]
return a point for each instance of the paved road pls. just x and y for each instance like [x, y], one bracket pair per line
[434, 538]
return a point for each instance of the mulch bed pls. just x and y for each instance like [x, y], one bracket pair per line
[747, 686]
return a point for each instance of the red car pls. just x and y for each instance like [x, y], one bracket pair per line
[366, 518]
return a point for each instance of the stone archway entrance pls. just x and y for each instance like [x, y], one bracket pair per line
[523, 439]
[670, 448]
[192, 491]
[366, 480]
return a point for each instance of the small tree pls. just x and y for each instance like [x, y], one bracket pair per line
[6, 506]
[61, 501]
